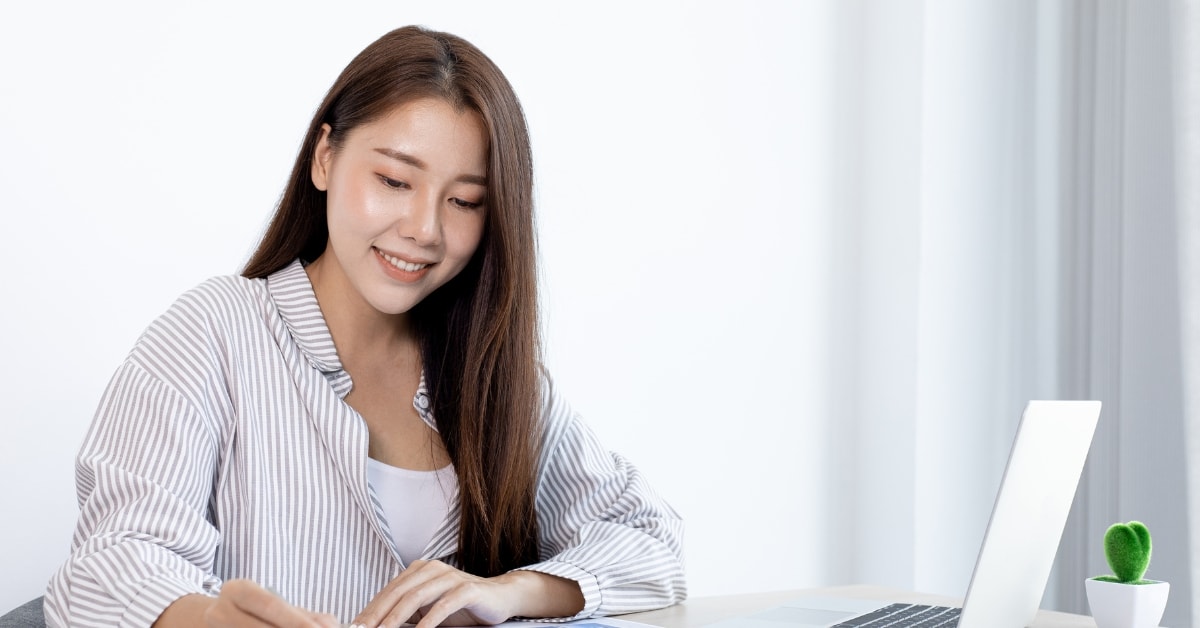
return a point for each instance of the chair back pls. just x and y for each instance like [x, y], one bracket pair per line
[27, 615]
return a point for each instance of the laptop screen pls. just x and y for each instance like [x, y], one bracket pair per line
[1030, 512]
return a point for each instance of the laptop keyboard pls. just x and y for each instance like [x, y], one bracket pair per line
[906, 616]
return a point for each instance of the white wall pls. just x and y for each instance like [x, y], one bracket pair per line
[680, 152]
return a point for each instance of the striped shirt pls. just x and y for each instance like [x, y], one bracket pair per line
[222, 448]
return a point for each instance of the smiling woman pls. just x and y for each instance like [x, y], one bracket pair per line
[404, 196]
[359, 426]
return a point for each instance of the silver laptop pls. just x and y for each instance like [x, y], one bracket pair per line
[1018, 549]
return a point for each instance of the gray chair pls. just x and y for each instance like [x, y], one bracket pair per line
[27, 615]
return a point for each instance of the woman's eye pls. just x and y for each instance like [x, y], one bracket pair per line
[458, 202]
[392, 183]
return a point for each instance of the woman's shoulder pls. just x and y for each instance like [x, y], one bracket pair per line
[218, 303]
[554, 407]
[559, 420]
[201, 337]
[208, 322]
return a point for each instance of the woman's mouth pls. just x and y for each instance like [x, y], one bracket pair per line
[400, 264]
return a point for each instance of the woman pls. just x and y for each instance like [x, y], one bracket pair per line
[358, 427]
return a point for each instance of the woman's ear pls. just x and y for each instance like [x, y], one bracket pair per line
[322, 155]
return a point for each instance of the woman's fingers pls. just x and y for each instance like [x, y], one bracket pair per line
[466, 603]
[413, 605]
[431, 593]
[403, 598]
[244, 603]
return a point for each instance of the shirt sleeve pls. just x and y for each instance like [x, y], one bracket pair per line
[602, 525]
[144, 476]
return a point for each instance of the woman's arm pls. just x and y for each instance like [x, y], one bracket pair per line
[601, 524]
[143, 547]
[144, 477]
[241, 603]
[432, 593]
[188, 611]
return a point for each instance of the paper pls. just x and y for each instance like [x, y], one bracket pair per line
[596, 622]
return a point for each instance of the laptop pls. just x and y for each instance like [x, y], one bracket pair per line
[1022, 536]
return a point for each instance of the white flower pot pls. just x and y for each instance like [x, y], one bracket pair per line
[1118, 605]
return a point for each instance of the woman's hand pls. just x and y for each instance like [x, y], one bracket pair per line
[244, 603]
[241, 603]
[432, 593]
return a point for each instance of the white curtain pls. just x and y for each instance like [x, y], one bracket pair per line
[1124, 301]
[1007, 232]
[949, 229]
[1186, 81]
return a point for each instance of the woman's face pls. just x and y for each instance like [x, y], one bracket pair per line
[406, 201]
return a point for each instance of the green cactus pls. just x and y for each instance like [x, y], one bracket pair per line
[1127, 548]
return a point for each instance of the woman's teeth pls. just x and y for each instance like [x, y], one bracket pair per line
[401, 264]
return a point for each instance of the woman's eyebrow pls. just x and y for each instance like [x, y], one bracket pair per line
[420, 165]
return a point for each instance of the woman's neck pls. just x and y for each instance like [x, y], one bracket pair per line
[361, 334]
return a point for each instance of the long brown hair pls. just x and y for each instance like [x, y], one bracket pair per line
[479, 332]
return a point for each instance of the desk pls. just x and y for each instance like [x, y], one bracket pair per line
[706, 610]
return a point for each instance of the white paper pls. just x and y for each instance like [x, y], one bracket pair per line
[597, 622]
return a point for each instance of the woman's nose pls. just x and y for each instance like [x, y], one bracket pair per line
[421, 220]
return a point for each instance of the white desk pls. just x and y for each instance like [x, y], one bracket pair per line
[702, 611]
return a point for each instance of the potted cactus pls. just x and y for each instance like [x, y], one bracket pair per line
[1125, 599]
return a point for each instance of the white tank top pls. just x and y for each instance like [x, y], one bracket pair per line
[415, 503]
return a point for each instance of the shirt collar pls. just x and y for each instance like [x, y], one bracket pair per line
[293, 294]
